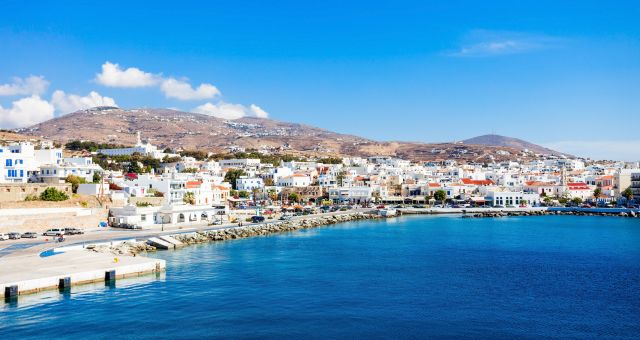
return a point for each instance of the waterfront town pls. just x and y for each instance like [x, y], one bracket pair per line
[83, 185]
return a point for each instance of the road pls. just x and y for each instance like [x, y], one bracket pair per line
[29, 247]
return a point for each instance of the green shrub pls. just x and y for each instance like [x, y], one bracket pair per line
[31, 198]
[53, 194]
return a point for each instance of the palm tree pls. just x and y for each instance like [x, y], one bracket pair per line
[440, 195]
[628, 194]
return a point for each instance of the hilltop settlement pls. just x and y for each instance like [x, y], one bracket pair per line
[88, 184]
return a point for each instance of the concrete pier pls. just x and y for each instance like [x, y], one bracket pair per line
[31, 274]
[167, 238]
[160, 244]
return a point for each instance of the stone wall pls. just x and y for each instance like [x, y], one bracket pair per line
[15, 192]
[39, 220]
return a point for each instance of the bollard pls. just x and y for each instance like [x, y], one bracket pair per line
[10, 292]
[110, 275]
[64, 283]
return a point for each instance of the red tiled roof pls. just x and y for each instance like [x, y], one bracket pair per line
[193, 184]
[538, 183]
[477, 181]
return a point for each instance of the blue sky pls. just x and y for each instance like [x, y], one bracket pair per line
[565, 74]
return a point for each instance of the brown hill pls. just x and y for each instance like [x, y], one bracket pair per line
[191, 131]
[497, 140]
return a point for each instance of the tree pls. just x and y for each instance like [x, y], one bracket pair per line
[440, 195]
[174, 159]
[272, 194]
[330, 160]
[53, 194]
[597, 193]
[254, 193]
[190, 170]
[576, 201]
[135, 168]
[197, 154]
[232, 175]
[628, 194]
[268, 182]
[340, 177]
[294, 197]
[189, 198]
[243, 194]
[75, 182]
[96, 177]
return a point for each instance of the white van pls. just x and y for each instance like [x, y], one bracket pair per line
[4, 237]
[54, 232]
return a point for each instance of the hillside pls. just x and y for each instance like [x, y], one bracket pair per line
[191, 131]
[497, 140]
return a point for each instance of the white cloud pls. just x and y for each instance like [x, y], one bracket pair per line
[66, 103]
[112, 75]
[25, 86]
[602, 149]
[258, 111]
[230, 111]
[482, 43]
[25, 112]
[222, 110]
[182, 90]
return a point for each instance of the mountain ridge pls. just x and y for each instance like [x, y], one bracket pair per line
[499, 140]
[191, 131]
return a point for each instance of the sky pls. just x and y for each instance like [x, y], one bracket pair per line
[563, 74]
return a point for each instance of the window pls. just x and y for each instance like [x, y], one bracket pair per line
[143, 218]
[8, 162]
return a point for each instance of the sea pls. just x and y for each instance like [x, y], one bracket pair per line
[563, 277]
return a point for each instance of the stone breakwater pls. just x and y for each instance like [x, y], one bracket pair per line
[125, 248]
[548, 212]
[270, 228]
[231, 233]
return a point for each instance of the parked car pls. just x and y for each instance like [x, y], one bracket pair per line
[54, 232]
[126, 226]
[29, 234]
[3, 237]
[257, 219]
[285, 217]
[14, 235]
[73, 231]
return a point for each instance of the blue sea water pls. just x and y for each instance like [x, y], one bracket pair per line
[410, 277]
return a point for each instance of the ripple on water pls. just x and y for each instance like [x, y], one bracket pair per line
[550, 276]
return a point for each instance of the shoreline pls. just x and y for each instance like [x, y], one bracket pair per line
[128, 250]
[274, 227]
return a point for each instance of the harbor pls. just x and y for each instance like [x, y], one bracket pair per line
[28, 274]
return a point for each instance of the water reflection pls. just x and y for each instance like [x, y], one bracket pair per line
[74, 292]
